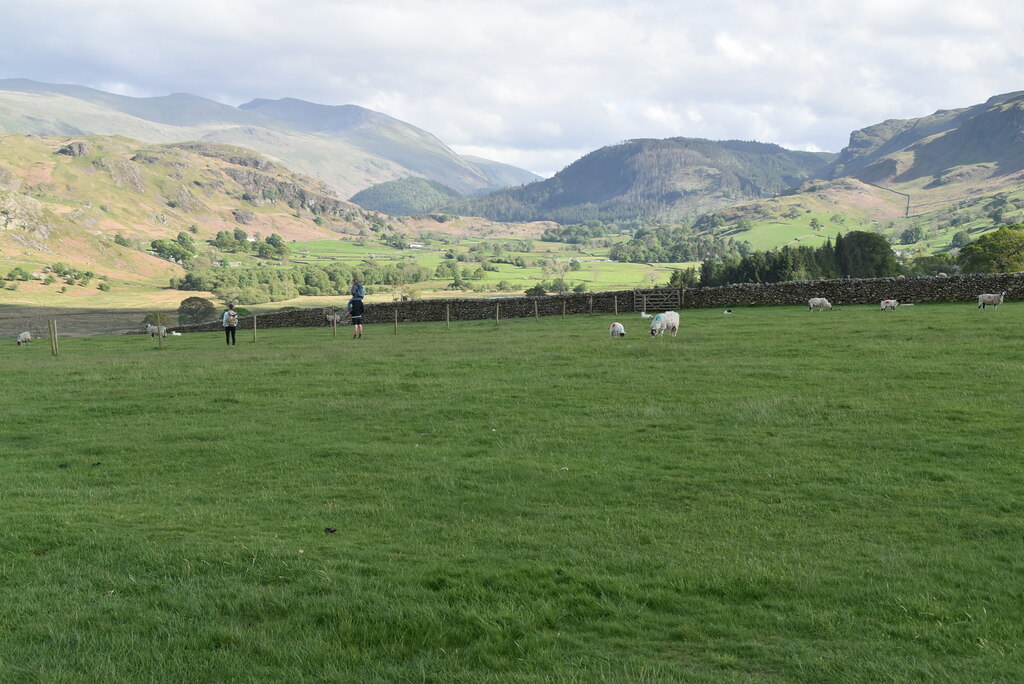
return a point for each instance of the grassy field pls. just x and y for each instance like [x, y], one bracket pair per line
[775, 495]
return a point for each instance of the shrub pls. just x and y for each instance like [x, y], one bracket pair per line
[536, 291]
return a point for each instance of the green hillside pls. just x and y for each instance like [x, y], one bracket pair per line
[405, 197]
[898, 151]
[348, 147]
[653, 179]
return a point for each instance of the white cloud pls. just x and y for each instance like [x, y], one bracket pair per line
[538, 81]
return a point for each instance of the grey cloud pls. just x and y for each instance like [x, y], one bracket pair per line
[540, 82]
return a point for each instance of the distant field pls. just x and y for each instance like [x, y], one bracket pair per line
[596, 272]
[775, 495]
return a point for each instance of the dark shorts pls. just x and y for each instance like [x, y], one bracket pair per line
[357, 310]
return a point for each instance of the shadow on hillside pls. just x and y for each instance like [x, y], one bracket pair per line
[71, 322]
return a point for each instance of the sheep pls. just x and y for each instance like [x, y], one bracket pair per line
[665, 321]
[819, 302]
[176, 333]
[155, 330]
[333, 318]
[617, 330]
[990, 299]
[24, 338]
[889, 304]
[644, 314]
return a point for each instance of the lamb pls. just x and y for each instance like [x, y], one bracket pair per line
[665, 321]
[644, 314]
[617, 330]
[819, 302]
[990, 299]
[176, 333]
[24, 338]
[155, 330]
[889, 304]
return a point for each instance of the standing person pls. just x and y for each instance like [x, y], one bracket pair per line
[230, 321]
[355, 308]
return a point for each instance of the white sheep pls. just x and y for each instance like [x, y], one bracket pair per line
[24, 338]
[665, 321]
[176, 333]
[333, 318]
[889, 304]
[644, 314]
[990, 299]
[617, 330]
[155, 330]
[820, 302]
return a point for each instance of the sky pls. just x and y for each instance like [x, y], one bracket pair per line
[540, 83]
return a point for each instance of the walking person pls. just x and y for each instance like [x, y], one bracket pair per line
[355, 308]
[230, 321]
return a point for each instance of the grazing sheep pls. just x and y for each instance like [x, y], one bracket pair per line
[727, 312]
[990, 299]
[24, 338]
[889, 304]
[644, 314]
[665, 321]
[155, 330]
[333, 318]
[176, 333]
[617, 330]
[819, 302]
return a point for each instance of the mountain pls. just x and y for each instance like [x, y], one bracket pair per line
[653, 179]
[904, 150]
[97, 202]
[348, 147]
[383, 136]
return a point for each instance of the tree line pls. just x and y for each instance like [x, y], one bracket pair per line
[858, 254]
[266, 283]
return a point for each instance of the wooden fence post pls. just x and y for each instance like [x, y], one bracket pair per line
[591, 305]
[52, 325]
[254, 328]
[535, 313]
[334, 320]
[615, 300]
[396, 320]
[497, 312]
[563, 308]
[645, 303]
[448, 315]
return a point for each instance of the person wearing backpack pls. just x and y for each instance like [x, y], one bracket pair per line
[230, 322]
[355, 307]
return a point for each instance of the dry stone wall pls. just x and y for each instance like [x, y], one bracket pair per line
[965, 288]
[961, 288]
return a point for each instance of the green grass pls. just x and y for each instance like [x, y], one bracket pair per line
[596, 273]
[775, 495]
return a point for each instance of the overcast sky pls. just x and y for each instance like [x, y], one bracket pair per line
[539, 83]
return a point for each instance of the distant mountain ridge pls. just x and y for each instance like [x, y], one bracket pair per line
[651, 178]
[902, 150]
[349, 147]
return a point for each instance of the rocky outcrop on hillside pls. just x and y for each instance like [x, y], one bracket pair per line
[21, 213]
[75, 149]
[125, 174]
[261, 188]
[239, 156]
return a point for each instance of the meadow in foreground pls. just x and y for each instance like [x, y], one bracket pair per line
[775, 495]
